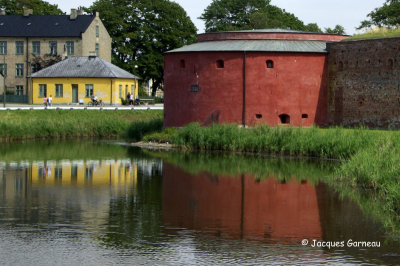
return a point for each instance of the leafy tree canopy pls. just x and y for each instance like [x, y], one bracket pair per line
[16, 7]
[142, 31]
[228, 15]
[386, 16]
[336, 30]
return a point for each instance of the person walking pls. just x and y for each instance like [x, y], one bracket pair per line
[50, 100]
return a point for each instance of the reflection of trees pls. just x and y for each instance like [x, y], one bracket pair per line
[135, 219]
[351, 214]
[255, 165]
[60, 150]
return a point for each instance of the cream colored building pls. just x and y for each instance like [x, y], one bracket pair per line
[24, 37]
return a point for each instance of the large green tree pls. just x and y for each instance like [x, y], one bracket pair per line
[16, 7]
[226, 15]
[142, 31]
[386, 16]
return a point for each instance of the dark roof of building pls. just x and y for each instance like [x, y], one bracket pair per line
[300, 46]
[43, 25]
[83, 67]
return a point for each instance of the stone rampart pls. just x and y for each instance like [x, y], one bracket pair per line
[364, 83]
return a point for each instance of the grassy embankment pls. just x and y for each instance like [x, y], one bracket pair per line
[370, 159]
[45, 124]
[375, 33]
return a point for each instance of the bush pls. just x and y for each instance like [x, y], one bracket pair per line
[137, 130]
[124, 101]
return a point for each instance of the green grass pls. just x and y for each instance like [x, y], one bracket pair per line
[44, 124]
[160, 136]
[375, 33]
[331, 143]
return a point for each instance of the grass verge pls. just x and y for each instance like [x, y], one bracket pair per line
[44, 124]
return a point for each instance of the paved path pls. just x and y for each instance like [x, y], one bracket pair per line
[80, 107]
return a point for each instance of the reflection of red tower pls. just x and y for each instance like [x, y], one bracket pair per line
[240, 207]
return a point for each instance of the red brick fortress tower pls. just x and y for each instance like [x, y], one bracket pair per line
[248, 77]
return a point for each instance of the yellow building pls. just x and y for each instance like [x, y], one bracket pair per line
[78, 79]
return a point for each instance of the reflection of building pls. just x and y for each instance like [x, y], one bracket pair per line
[85, 187]
[81, 173]
[240, 207]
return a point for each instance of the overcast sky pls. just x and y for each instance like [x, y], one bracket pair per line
[326, 13]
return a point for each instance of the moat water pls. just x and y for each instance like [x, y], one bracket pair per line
[100, 203]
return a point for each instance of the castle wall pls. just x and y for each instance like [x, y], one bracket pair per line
[364, 83]
[294, 87]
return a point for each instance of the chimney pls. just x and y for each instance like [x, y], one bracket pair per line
[2, 12]
[74, 14]
[27, 12]
[80, 12]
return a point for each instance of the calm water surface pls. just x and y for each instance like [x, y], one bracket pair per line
[96, 203]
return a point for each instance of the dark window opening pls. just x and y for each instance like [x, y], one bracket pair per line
[304, 116]
[285, 119]
[258, 116]
[194, 88]
[220, 63]
[340, 66]
[270, 64]
[390, 63]
[182, 63]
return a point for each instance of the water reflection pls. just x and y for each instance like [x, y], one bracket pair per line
[122, 205]
[241, 207]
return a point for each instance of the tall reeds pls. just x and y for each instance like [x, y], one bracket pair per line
[332, 143]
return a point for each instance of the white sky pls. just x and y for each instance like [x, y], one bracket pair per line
[326, 13]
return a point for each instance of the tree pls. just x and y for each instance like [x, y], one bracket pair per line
[142, 31]
[16, 7]
[227, 15]
[336, 30]
[388, 16]
[274, 17]
[313, 27]
[47, 60]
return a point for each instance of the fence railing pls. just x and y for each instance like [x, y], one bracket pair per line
[15, 99]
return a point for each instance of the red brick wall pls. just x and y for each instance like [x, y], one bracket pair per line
[295, 86]
[220, 89]
[364, 84]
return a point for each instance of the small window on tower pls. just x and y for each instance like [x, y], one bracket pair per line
[194, 88]
[270, 64]
[220, 63]
[183, 63]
